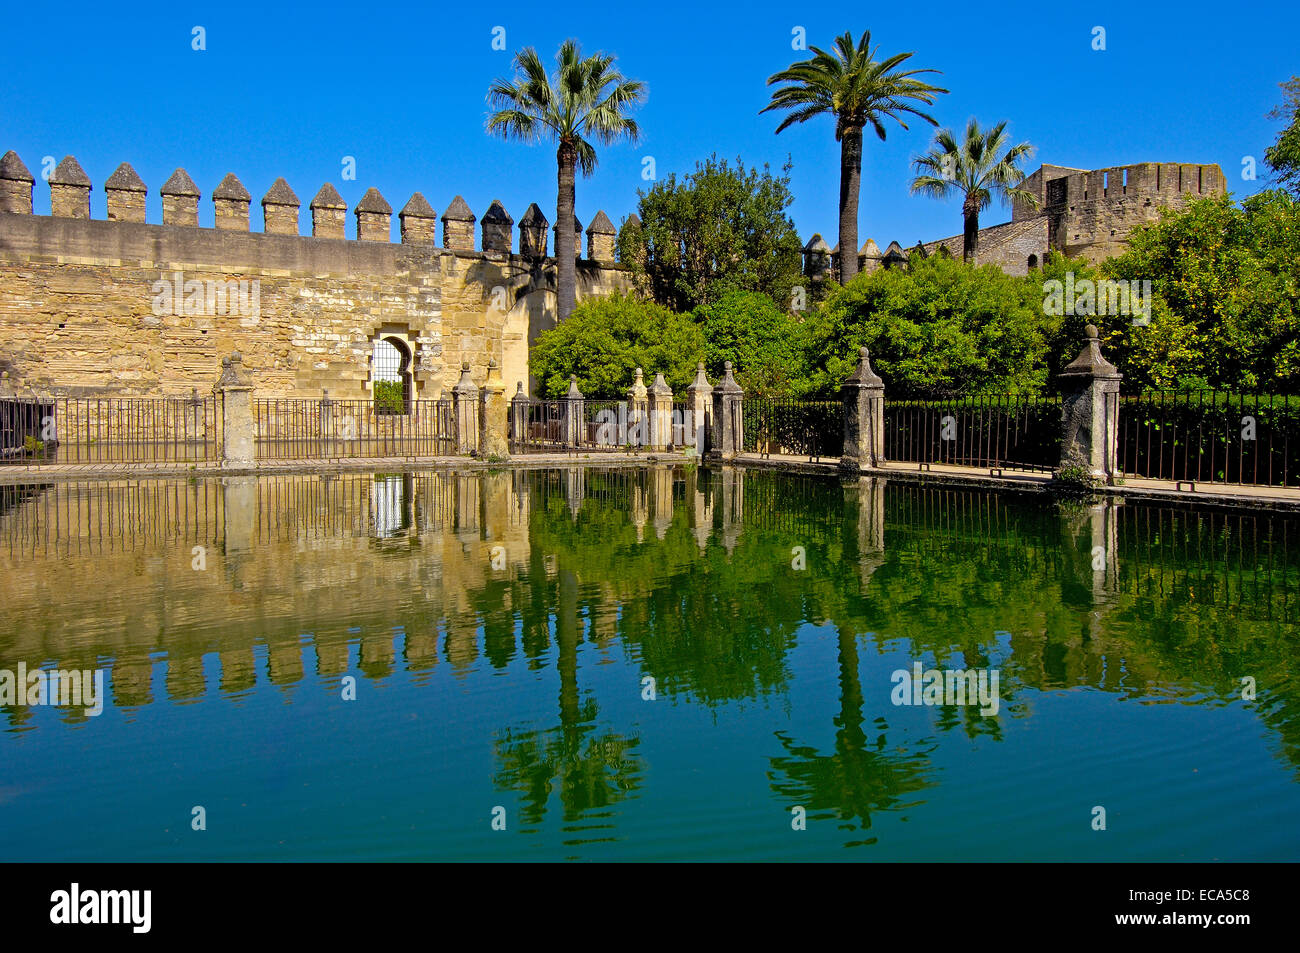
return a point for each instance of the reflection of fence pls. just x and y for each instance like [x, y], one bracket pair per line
[98, 517]
[1211, 437]
[65, 430]
[812, 428]
[1004, 431]
[295, 429]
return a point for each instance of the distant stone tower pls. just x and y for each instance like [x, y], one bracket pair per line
[1090, 213]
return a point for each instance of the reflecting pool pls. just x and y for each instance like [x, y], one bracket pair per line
[643, 664]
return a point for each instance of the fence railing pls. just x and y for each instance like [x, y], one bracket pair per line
[811, 428]
[605, 426]
[1211, 437]
[107, 430]
[1006, 431]
[538, 426]
[296, 429]
[599, 425]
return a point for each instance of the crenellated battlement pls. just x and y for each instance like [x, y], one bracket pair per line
[1085, 213]
[118, 305]
[70, 189]
[1144, 180]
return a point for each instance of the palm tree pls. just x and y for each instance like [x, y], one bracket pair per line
[984, 163]
[857, 89]
[583, 100]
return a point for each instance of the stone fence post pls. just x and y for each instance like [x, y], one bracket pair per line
[728, 436]
[464, 398]
[699, 398]
[519, 417]
[1090, 411]
[238, 432]
[637, 406]
[660, 408]
[572, 426]
[494, 421]
[863, 398]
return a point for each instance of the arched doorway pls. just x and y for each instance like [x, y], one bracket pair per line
[390, 375]
[1033, 262]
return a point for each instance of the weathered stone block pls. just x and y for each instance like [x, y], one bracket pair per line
[180, 197]
[458, 226]
[125, 195]
[69, 190]
[15, 185]
[374, 217]
[280, 209]
[329, 213]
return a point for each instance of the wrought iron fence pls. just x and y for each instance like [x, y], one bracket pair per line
[1003, 431]
[812, 428]
[538, 426]
[37, 431]
[1211, 437]
[687, 431]
[610, 425]
[599, 425]
[297, 429]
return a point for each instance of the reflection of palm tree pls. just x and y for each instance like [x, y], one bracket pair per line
[859, 777]
[595, 769]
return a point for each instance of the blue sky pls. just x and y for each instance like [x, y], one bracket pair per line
[290, 92]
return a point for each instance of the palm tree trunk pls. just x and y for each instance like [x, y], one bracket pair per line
[566, 272]
[970, 235]
[566, 638]
[850, 185]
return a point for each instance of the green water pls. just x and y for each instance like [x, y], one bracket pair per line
[643, 664]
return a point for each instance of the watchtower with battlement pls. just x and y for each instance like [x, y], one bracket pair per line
[1083, 213]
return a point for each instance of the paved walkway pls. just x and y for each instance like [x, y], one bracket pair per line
[1268, 497]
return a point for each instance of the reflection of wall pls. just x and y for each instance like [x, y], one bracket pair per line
[104, 570]
[316, 575]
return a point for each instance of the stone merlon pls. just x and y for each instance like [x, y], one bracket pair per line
[458, 211]
[418, 220]
[180, 183]
[372, 201]
[280, 194]
[328, 197]
[70, 172]
[124, 179]
[231, 189]
[601, 225]
[12, 168]
[417, 207]
[497, 214]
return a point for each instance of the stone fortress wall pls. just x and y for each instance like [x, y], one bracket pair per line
[1084, 214]
[124, 307]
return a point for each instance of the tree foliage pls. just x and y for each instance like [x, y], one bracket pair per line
[1229, 276]
[720, 228]
[605, 340]
[1283, 156]
[937, 326]
[762, 341]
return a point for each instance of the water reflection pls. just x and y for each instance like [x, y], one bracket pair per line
[684, 575]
